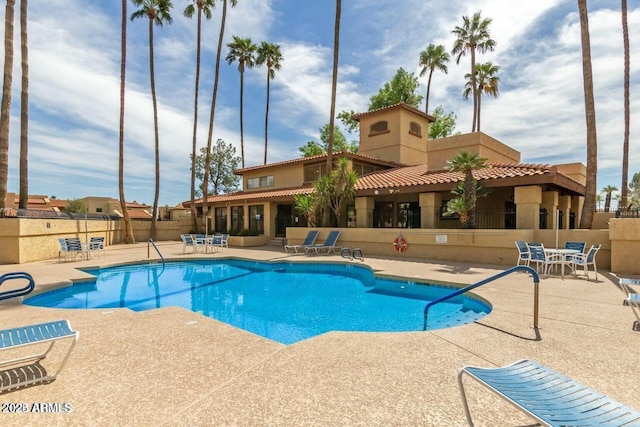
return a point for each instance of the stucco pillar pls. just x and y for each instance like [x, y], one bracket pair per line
[550, 203]
[429, 209]
[576, 206]
[364, 212]
[527, 200]
[564, 204]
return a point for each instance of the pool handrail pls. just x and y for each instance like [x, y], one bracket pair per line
[17, 292]
[157, 250]
[536, 282]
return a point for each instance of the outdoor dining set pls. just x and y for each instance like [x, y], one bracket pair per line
[204, 242]
[572, 255]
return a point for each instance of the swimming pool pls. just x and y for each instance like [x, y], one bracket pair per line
[283, 301]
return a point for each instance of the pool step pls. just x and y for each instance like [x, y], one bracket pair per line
[455, 319]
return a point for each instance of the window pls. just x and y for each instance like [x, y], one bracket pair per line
[383, 215]
[314, 172]
[237, 218]
[220, 225]
[263, 181]
[379, 127]
[408, 215]
[256, 218]
[98, 210]
[415, 129]
[363, 169]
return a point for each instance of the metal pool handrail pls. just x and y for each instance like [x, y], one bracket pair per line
[157, 250]
[17, 292]
[536, 282]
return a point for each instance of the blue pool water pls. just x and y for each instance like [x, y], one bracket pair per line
[285, 302]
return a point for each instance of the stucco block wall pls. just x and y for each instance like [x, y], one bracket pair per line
[625, 245]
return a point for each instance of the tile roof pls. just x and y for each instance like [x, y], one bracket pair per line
[311, 159]
[415, 176]
[402, 105]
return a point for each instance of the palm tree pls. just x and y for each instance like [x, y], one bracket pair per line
[625, 145]
[434, 57]
[466, 162]
[590, 111]
[334, 87]
[608, 190]
[24, 108]
[474, 35]
[243, 51]
[5, 108]
[128, 229]
[207, 160]
[487, 82]
[203, 6]
[268, 53]
[158, 12]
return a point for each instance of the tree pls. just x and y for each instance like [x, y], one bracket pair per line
[589, 206]
[243, 51]
[433, 58]
[24, 108]
[305, 205]
[269, 54]
[158, 12]
[334, 88]
[75, 206]
[466, 162]
[340, 143]
[625, 145]
[608, 190]
[403, 87]
[351, 125]
[203, 7]
[634, 185]
[474, 36]
[444, 124]
[214, 96]
[342, 185]
[486, 82]
[5, 108]
[223, 162]
[128, 228]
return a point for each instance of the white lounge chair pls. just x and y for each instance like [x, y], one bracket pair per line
[549, 397]
[31, 335]
[312, 235]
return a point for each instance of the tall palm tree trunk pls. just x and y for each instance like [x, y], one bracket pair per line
[241, 117]
[625, 145]
[479, 107]
[128, 233]
[194, 218]
[24, 108]
[266, 115]
[207, 161]
[334, 87]
[589, 206]
[154, 220]
[426, 107]
[475, 89]
[5, 107]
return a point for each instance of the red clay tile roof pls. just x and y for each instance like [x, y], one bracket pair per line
[407, 107]
[414, 176]
[311, 159]
[139, 214]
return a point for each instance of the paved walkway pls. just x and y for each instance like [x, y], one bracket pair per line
[174, 367]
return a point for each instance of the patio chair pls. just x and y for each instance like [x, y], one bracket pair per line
[327, 247]
[224, 241]
[25, 370]
[96, 245]
[585, 260]
[312, 235]
[523, 252]
[551, 398]
[189, 241]
[542, 258]
[75, 248]
[632, 300]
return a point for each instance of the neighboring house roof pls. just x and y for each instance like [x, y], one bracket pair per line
[418, 179]
[139, 214]
[315, 159]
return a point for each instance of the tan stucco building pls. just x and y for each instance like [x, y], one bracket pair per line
[403, 183]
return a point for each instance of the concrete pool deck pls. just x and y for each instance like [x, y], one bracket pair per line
[171, 366]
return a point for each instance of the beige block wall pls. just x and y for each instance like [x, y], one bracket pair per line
[440, 150]
[283, 176]
[625, 245]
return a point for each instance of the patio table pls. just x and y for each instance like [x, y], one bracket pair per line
[565, 255]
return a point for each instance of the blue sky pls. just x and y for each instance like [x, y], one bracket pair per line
[74, 84]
